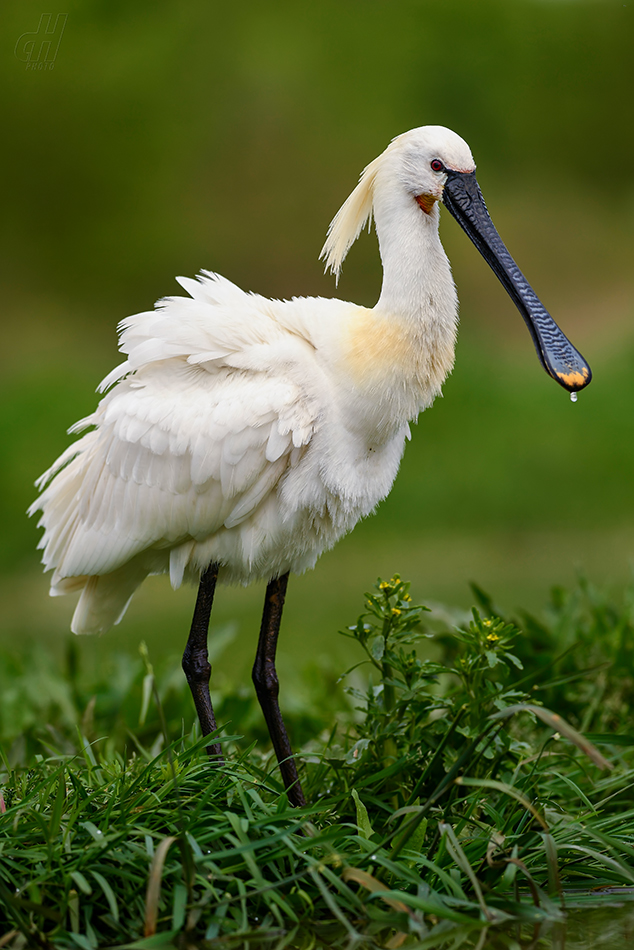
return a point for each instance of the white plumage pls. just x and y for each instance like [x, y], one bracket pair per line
[254, 433]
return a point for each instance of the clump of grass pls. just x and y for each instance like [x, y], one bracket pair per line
[446, 799]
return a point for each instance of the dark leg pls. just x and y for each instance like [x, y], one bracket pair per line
[195, 662]
[267, 687]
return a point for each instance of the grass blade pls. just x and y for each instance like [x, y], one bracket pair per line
[507, 790]
[153, 893]
[555, 721]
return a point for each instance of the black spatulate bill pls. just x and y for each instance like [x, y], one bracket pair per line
[463, 198]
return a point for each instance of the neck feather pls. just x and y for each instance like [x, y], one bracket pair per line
[417, 281]
[418, 291]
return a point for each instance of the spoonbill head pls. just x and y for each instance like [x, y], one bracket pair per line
[242, 437]
[432, 164]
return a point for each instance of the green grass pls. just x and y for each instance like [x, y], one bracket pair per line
[451, 790]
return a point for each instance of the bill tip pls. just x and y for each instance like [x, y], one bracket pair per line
[574, 380]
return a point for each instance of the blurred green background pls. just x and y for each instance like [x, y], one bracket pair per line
[170, 137]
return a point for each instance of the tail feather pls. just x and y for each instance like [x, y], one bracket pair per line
[105, 598]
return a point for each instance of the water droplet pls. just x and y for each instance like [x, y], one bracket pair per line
[573, 397]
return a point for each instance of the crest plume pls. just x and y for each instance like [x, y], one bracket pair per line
[346, 225]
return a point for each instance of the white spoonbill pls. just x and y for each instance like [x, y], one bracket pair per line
[243, 436]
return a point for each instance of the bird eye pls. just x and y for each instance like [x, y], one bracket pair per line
[437, 165]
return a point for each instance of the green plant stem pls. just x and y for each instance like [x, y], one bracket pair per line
[436, 756]
[390, 751]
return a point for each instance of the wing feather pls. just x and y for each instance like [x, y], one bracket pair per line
[193, 438]
[170, 462]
